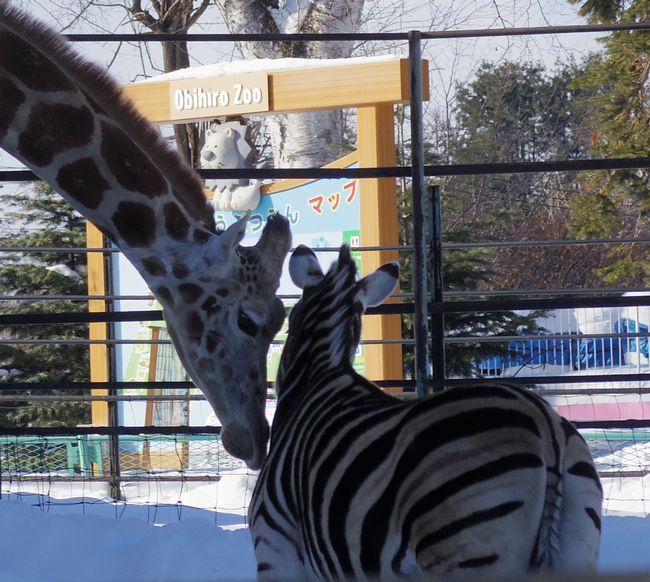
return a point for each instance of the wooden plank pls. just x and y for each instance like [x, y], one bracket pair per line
[376, 143]
[282, 185]
[150, 99]
[99, 370]
[356, 85]
[308, 89]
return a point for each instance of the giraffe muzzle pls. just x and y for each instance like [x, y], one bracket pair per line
[246, 443]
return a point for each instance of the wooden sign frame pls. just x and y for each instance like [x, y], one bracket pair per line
[372, 88]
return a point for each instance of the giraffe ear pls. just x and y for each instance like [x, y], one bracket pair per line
[375, 288]
[220, 249]
[304, 268]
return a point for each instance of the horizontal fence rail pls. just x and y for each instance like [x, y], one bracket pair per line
[356, 36]
[398, 171]
[107, 442]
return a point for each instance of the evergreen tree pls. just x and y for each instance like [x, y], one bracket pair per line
[512, 112]
[518, 112]
[463, 270]
[40, 218]
[617, 203]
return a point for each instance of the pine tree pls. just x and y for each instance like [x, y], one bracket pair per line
[463, 270]
[40, 218]
[520, 112]
[617, 203]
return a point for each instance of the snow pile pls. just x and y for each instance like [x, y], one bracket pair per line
[203, 538]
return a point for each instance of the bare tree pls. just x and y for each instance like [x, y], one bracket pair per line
[174, 17]
[299, 139]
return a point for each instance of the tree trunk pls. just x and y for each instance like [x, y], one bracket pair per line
[298, 139]
[175, 57]
[175, 16]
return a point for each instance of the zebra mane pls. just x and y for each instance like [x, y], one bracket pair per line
[322, 325]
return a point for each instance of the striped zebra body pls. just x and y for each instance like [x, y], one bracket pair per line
[484, 480]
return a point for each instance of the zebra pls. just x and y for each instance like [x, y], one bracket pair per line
[482, 480]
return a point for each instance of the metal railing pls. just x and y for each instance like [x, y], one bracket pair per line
[428, 301]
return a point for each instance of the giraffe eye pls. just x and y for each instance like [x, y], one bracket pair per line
[246, 324]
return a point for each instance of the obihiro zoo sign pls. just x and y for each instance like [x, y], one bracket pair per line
[219, 96]
[372, 86]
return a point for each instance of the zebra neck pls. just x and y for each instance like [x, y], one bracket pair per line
[300, 387]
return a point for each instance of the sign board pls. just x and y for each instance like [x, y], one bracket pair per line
[322, 214]
[218, 96]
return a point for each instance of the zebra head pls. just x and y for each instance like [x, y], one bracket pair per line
[325, 325]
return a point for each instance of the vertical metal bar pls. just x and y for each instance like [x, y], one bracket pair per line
[113, 410]
[420, 318]
[437, 318]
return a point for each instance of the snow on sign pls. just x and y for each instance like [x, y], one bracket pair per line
[219, 96]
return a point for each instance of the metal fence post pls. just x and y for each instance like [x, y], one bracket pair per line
[113, 408]
[420, 318]
[437, 317]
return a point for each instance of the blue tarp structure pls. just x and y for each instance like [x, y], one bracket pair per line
[569, 350]
[630, 344]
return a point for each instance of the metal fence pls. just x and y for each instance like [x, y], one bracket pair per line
[583, 367]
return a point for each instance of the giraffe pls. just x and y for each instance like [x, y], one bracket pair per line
[67, 121]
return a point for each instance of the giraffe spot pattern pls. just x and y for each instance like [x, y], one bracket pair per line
[135, 224]
[11, 97]
[164, 296]
[130, 166]
[83, 181]
[196, 201]
[194, 325]
[211, 306]
[190, 292]
[180, 270]
[176, 225]
[53, 128]
[201, 236]
[31, 67]
[226, 372]
[154, 266]
[212, 341]
[206, 364]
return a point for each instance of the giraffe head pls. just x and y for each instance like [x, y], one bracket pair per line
[222, 314]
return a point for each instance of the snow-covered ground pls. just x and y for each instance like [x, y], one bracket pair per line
[189, 531]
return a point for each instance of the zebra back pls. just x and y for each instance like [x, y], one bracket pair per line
[482, 481]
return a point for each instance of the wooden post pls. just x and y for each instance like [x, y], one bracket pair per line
[376, 144]
[97, 331]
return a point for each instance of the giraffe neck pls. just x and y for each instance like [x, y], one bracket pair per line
[68, 122]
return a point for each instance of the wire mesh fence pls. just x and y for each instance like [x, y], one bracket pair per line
[163, 470]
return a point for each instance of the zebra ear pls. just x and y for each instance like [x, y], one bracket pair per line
[375, 288]
[304, 268]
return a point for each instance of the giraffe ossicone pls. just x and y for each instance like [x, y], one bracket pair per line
[67, 121]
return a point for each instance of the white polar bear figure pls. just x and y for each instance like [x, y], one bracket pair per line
[227, 146]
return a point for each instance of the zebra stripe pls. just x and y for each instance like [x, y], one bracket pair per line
[485, 479]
